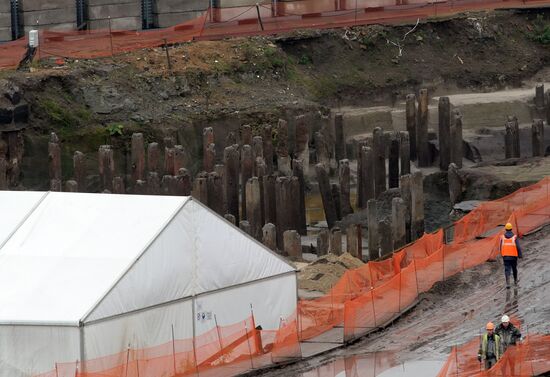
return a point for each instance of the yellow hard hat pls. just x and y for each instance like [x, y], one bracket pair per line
[490, 326]
[508, 226]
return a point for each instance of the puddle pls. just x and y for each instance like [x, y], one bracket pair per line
[381, 364]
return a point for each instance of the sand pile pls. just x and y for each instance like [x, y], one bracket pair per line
[325, 272]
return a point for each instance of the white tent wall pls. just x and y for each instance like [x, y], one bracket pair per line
[139, 330]
[28, 350]
[226, 256]
[15, 206]
[271, 299]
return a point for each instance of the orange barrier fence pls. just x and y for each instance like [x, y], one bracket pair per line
[224, 350]
[279, 17]
[396, 282]
[529, 358]
[364, 299]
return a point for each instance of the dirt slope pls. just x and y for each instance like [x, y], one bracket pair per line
[455, 311]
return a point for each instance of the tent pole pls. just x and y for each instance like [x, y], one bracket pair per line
[174, 349]
[219, 338]
[82, 348]
[194, 335]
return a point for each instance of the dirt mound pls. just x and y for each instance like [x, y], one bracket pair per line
[325, 272]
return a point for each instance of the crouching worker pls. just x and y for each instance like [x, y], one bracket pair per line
[490, 349]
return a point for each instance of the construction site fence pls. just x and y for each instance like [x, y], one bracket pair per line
[528, 358]
[262, 19]
[363, 300]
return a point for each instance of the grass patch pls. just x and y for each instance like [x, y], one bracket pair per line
[63, 116]
[541, 30]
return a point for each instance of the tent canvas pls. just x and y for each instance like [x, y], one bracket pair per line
[96, 270]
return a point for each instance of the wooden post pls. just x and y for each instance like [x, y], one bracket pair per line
[153, 156]
[444, 134]
[326, 195]
[411, 119]
[422, 147]
[302, 142]
[138, 157]
[106, 167]
[344, 175]
[54, 157]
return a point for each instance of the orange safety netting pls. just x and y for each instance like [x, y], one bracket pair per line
[387, 288]
[271, 18]
[364, 299]
[529, 358]
[224, 350]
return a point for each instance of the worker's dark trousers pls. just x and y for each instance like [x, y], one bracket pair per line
[511, 266]
[490, 362]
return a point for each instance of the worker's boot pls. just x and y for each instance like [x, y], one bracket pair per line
[507, 282]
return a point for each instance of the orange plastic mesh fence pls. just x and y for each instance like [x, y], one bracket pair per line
[362, 300]
[529, 358]
[217, 23]
[393, 285]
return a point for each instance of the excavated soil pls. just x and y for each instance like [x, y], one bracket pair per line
[326, 271]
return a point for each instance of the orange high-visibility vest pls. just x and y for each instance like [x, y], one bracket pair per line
[508, 247]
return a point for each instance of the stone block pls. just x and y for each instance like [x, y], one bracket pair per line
[171, 19]
[111, 2]
[5, 20]
[115, 11]
[66, 26]
[178, 6]
[33, 5]
[126, 23]
[5, 6]
[49, 17]
[5, 34]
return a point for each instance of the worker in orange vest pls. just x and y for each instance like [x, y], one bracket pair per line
[510, 251]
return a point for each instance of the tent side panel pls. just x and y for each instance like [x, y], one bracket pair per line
[148, 334]
[30, 350]
[271, 300]
[162, 274]
[226, 256]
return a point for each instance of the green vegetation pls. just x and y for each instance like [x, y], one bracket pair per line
[63, 116]
[115, 129]
[541, 30]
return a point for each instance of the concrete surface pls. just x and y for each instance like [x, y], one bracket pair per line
[5, 6]
[33, 5]
[171, 19]
[49, 17]
[66, 26]
[5, 20]
[124, 23]
[5, 34]
[98, 12]
[177, 6]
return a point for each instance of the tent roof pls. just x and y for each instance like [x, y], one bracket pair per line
[15, 206]
[74, 248]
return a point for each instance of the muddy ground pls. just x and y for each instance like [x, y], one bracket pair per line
[455, 311]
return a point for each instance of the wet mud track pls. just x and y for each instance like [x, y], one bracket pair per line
[456, 310]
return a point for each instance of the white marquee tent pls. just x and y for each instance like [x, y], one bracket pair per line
[87, 275]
